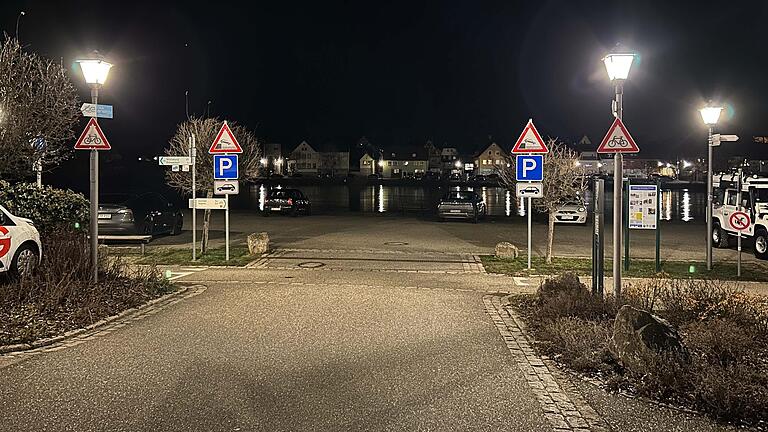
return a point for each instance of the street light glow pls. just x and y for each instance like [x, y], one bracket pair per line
[617, 64]
[95, 71]
[263, 161]
[711, 114]
[458, 164]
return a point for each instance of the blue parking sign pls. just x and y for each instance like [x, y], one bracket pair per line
[529, 168]
[225, 167]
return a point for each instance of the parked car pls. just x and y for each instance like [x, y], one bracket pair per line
[572, 212]
[374, 176]
[20, 247]
[454, 177]
[276, 176]
[480, 178]
[291, 201]
[461, 205]
[145, 214]
[297, 174]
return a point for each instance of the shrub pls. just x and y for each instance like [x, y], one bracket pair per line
[49, 208]
[581, 344]
[566, 296]
[61, 296]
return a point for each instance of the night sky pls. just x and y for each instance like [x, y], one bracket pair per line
[400, 73]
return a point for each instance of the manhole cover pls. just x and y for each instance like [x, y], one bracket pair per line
[311, 264]
[395, 243]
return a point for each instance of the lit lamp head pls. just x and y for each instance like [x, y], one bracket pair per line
[264, 161]
[710, 114]
[618, 63]
[95, 69]
[458, 164]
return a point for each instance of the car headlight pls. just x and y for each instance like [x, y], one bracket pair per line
[581, 209]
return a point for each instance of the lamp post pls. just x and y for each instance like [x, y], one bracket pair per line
[710, 114]
[618, 64]
[95, 71]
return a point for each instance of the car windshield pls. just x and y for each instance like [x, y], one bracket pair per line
[459, 196]
[116, 198]
[282, 193]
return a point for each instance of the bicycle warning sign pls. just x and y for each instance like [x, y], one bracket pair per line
[618, 140]
[92, 138]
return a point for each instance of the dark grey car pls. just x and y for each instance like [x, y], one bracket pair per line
[145, 214]
[461, 205]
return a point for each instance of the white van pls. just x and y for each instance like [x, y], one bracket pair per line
[20, 248]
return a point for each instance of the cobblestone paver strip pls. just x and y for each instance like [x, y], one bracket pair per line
[563, 406]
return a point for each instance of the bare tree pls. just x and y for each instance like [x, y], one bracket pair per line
[205, 131]
[564, 182]
[38, 104]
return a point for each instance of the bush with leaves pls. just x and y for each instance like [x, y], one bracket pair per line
[50, 209]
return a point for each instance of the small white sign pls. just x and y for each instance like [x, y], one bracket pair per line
[226, 187]
[174, 160]
[529, 190]
[209, 203]
[643, 205]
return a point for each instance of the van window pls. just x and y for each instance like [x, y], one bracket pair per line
[731, 197]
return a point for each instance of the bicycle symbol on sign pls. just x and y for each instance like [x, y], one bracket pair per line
[618, 141]
[92, 139]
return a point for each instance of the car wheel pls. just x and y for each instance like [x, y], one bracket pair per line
[294, 211]
[719, 236]
[177, 226]
[475, 218]
[761, 243]
[149, 227]
[265, 213]
[309, 211]
[25, 261]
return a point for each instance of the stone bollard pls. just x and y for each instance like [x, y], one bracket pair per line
[506, 250]
[258, 243]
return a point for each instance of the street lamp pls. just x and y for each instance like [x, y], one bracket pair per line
[617, 64]
[95, 71]
[710, 114]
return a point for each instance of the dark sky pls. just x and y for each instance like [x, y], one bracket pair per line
[403, 72]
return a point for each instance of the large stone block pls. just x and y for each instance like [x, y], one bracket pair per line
[639, 336]
[258, 243]
[507, 250]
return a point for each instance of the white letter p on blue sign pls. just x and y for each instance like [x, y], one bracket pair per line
[225, 167]
[529, 168]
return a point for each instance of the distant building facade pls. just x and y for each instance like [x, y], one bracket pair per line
[403, 165]
[304, 159]
[490, 160]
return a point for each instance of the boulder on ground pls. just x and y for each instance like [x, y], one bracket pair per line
[258, 243]
[639, 336]
[507, 250]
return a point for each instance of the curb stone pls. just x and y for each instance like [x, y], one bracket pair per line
[563, 406]
[151, 305]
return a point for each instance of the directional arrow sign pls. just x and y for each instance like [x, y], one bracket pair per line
[174, 160]
[209, 203]
[93, 110]
[718, 138]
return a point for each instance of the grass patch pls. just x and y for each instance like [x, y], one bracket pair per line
[638, 268]
[60, 296]
[238, 256]
[725, 332]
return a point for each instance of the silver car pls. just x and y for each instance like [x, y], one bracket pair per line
[461, 205]
[573, 212]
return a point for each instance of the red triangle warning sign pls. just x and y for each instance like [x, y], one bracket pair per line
[530, 141]
[618, 140]
[92, 138]
[225, 141]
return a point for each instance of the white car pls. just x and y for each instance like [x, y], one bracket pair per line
[571, 213]
[20, 248]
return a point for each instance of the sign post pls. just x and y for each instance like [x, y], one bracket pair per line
[658, 225]
[225, 167]
[598, 249]
[193, 155]
[739, 221]
[617, 141]
[529, 168]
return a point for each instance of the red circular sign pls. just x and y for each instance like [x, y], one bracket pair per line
[5, 242]
[739, 221]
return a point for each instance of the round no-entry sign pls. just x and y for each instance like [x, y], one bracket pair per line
[739, 221]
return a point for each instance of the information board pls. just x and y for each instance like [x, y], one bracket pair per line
[643, 205]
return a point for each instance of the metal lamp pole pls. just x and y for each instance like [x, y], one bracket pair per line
[709, 199]
[94, 178]
[618, 189]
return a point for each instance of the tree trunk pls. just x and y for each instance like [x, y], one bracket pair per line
[550, 236]
[206, 226]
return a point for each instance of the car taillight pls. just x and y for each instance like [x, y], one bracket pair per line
[290, 201]
[127, 215]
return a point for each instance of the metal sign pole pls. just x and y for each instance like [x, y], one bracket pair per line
[658, 225]
[709, 200]
[738, 241]
[226, 227]
[530, 210]
[95, 199]
[598, 244]
[626, 225]
[193, 156]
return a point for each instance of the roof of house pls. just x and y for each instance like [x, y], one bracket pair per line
[406, 155]
[487, 146]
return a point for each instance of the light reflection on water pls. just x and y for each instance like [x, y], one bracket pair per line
[683, 204]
